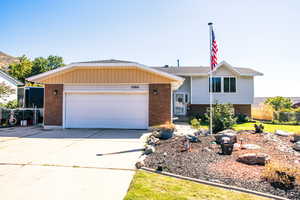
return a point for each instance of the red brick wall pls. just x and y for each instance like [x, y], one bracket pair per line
[53, 104]
[159, 104]
[238, 108]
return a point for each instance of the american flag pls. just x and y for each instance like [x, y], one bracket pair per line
[214, 51]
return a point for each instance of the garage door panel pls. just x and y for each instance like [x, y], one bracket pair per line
[106, 111]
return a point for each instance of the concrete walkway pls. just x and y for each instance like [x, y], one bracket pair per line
[67, 164]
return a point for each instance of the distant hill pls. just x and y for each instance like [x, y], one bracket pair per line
[6, 60]
[259, 100]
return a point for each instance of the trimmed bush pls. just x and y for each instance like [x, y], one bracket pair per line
[195, 123]
[222, 118]
[242, 118]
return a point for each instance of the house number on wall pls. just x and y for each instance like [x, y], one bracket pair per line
[135, 86]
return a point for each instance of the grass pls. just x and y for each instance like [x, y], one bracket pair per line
[268, 127]
[271, 128]
[151, 186]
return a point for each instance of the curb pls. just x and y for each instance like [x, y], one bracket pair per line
[214, 184]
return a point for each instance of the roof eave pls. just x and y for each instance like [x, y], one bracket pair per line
[36, 78]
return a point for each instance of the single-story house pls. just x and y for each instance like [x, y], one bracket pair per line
[230, 84]
[12, 83]
[124, 94]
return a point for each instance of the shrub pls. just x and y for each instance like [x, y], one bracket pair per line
[222, 117]
[283, 116]
[297, 110]
[195, 123]
[259, 128]
[282, 175]
[12, 104]
[242, 118]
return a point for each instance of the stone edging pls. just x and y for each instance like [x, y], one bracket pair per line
[215, 184]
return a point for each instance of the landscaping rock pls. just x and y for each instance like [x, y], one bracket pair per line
[254, 158]
[283, 133]
[201, 131]
[192, 138]
[152, 140]
[149, 149]
[296, 138]
[236, 146]
[250, 146]
[140, 162]
[297, 146]
[226, 133]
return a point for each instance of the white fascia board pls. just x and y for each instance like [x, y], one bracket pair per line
[73, 65]
[224, 63]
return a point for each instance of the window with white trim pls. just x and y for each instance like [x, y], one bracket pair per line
[216, 84]
[229, 84]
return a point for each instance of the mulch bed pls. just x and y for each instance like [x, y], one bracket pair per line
[206, 162]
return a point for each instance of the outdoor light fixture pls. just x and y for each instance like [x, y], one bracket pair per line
[55, 92]
[155, 91]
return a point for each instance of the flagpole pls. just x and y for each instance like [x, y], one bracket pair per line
[210, 77]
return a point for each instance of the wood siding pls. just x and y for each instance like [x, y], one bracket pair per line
[85, 75]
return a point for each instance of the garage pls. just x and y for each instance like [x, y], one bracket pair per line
[128, 111]
[107, 94]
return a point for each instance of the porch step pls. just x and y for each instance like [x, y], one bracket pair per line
[181, 119]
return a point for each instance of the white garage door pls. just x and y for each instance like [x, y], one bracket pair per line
[106, 110]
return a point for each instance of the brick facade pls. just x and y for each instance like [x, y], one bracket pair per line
[238, 108]
[159, 104]
[53, 104]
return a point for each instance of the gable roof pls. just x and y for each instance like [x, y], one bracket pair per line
[105, 63]
[204, 70]
[10, 79]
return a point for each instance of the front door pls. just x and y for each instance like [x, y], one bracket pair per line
[180, 103]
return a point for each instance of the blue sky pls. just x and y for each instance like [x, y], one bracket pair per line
[259, 34]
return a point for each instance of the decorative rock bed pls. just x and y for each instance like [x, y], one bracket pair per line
[203, 160]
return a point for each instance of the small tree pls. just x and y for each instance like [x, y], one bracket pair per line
[279, 103]
[5, 91]
[222, 117]
[20, 70]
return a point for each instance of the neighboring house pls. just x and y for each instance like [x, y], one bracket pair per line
[13, 83]
[107, 94]
[230, 85]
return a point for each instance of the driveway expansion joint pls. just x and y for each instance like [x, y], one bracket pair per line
[67, 166]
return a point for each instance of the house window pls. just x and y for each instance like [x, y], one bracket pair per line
[216, 84]
[229, 84]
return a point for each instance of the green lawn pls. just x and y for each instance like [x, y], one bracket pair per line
[151, 186]
[268, 127]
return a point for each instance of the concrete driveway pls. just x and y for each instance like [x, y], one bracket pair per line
[67, 164]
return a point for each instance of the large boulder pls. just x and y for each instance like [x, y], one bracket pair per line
[226, 133]
[283, 133]
[254, 158]
[297, 146]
